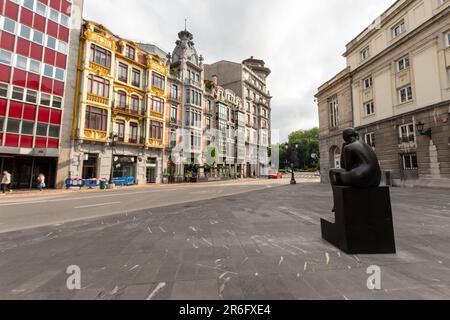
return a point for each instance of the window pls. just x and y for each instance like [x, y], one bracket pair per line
[98, 86]
[208, 123]
[35, 66]
[156, 129]
[31, 96]
[158, 81]
[174, 92]
[173, 113]
[407, 133]
[48, 70]
[3, 90]
[45, 99]
[369, 108]
[135, 104]
[409, 161]
[64, 20]
[447, 39]
[403, 63]
[157, 105]
[365, 54]
[9, 25]
[25, 32]
[369, 138]
[13, 125]
[51, 42]
[136, 78]
[29, 4]
[5, 57]
[96, 118]
[41, 9]
[53, 131]
[38, 37]
[398, 29]
[333, 112]
[2, 121]
[57, 102]
[130, 52]
[100, 56]
[41, 129]
[27, 127]
[121, 99]
[368, 82]
[21, 62]
[123, 72]
[17, 93]
[54, 15]
[59, 74]
[120, 130]
[405, 94]
[133, 132]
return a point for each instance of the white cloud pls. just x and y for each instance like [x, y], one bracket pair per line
[301, 41]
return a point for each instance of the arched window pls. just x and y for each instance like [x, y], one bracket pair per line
[121, 100]
[134, 107]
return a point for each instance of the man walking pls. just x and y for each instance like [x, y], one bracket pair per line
[41, 182]
[6, 181]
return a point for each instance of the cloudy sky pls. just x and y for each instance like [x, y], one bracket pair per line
[301, 41]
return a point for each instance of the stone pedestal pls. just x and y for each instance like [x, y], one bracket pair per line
[363, 223]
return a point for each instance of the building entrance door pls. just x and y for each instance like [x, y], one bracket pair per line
[151, 175]
[23, 174]
[90, 167]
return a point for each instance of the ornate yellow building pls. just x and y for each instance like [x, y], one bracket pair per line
[118, 126]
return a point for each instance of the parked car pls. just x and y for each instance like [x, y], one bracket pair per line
[275, 176]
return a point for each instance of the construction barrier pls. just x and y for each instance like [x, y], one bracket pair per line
[124, 181]
[96, 182]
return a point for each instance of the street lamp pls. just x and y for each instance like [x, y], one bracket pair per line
[290, 150]
[422, 131]
[114, 139]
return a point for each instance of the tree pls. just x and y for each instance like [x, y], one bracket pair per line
[308, 143]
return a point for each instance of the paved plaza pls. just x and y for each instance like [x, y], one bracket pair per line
[260, 244]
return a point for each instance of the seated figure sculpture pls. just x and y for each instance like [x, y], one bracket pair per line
[363, 213]
[360, 164]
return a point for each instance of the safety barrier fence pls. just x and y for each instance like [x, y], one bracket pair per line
[98, 182]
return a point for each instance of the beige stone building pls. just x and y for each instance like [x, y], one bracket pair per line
[399, 77]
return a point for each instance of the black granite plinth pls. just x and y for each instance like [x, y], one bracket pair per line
[363, 223]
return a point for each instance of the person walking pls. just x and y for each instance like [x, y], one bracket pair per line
[6, 182]
[41, 182]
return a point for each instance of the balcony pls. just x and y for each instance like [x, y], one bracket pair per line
[139, 142]
[97, 99]
[192, 82]
[156, 114]
[126, 110]
[158, 91]
[100, 69]
[155, 143]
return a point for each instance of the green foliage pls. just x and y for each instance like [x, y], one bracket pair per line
[308, 143]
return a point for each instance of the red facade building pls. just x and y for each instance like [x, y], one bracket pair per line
[34, 50]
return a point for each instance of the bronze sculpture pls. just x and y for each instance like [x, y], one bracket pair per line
[360, 164]
[363, 213]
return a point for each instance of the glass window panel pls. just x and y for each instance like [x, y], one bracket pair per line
[41, 129]
[3, 90]
[45, 99]
[53, 131]
[64, 20]
[2, 120]
[31, 96]
[48, 71]
[38, 37]
[17, 93]
[5, 57]
[51, 42]
[21, 62]
[59, 74]
[25, 32]
[29, 4]
[35, 66]
[41, 8]
[9, 25]
[57, 102]
[54, 15]
[13, 126]
[27, 127]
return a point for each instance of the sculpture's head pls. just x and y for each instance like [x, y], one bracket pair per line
[350, 135]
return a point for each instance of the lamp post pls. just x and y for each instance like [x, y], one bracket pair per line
[423, 132]
[114, 138]
[290, 150]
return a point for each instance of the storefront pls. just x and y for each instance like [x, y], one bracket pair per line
[124, 166]
[25, 170]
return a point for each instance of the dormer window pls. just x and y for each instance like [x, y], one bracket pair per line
[398, 29]
[130, 53]
[365, 54]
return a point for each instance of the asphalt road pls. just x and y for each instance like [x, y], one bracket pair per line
[260, 244]
[26, 213]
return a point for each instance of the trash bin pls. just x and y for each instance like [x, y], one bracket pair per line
[103, 184]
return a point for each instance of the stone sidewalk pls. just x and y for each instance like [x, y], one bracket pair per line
[258, 245]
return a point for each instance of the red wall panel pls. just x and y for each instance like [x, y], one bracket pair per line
[23, 47]
[29, 112]
[63, 34]
[2, 107]
[43, 114]
[61, 60]
[12, 10]
[39, 22]
[19, 77]
[46, 85]
[33, 81]
[55, 4]
[15, 109]
[58, 88]
[40, 143]
[26, 17]
[55, 117]
[5, 73]
[53, 144]
[26, 141]
[12, 140]
[36, 51]
[49, 56]
[7, 41]
[52, 28]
